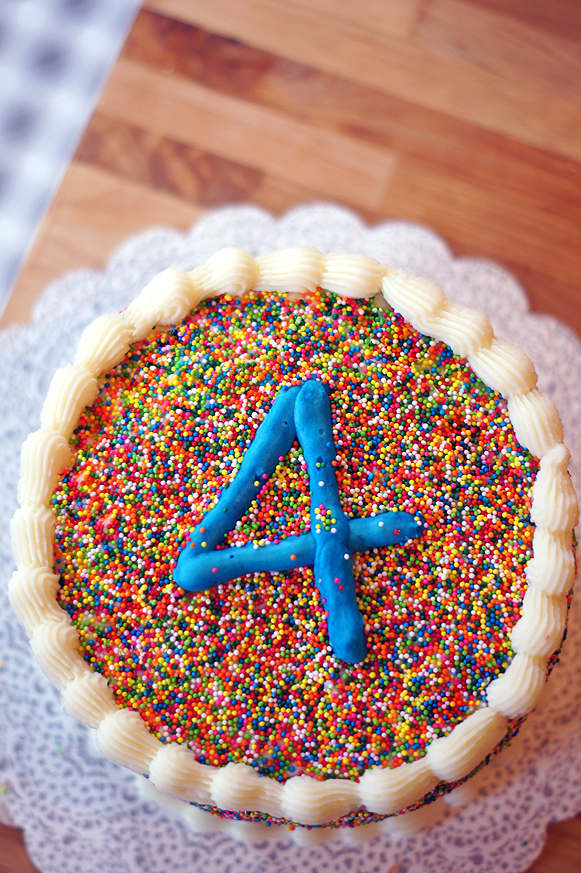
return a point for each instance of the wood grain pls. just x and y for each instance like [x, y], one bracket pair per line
[403, 67]
[559, 17]
[194, 175]
[494, 41]
[81, 232]
[13, 855]
[445, 167]
[258, 137]
[461, 114]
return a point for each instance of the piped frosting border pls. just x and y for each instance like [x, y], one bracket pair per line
[121, 734]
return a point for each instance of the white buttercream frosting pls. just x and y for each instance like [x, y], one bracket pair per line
[387, 791]
[56, 648]
[104, 343]
[455, 756]
[536, 421]
[71, 389]
[32, 532]
[45, 456]
[416, 299]
[554, 500]
[552, 566]
[121, 733]
[237, 786]
[312, 802]
[290, 271]
[123, 737]
[504, 368]
[381, 303]
[516, 692]
[175, 771]
[464, 330]
[230, 271]
[88, 698]
[351, 275]
[541, 628]
[32, 592]
[167, 299]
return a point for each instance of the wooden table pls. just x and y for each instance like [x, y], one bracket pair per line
[461, 114]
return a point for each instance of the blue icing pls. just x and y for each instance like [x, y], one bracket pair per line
[303, 411]
[273, 438]
[333, 564]
[198, 572]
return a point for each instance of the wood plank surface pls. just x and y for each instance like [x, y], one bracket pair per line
[257, 136]
[367, 54]
[81, 232]
[464, 115]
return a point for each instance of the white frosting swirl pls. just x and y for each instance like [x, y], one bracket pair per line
[290, 271]
[536, 421]
[230, 271]
[541, 628]
[504, 368]
[516, 692]
[455, 756]
[387, 791]
[175, 771]
[32, 533]
[55, 645]
[416, 299]
[237, 786]
[351, 275]
[167, 299]
[88, 698]
[309, 801]
[104, 343]
[552, 567]
[71, 389]
[32, 594]
[123, 737]
[45, 456]
[554, 500]
[464, 330]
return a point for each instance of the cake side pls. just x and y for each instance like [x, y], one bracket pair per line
[122, 734]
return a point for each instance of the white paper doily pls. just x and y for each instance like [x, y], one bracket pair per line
[83, 813]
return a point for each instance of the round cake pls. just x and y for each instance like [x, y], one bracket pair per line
[295, 538]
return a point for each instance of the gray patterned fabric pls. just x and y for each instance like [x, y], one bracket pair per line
[54, 58]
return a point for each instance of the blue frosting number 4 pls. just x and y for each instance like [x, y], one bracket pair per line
[303, 412]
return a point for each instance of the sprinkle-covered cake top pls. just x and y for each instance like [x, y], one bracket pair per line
[244, 671]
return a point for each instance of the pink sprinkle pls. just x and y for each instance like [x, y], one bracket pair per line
[214, 569]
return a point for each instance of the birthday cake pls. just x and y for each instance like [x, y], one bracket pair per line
[295, 538]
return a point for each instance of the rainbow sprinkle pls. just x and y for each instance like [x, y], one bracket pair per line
[243, 672]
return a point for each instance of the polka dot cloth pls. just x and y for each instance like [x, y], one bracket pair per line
[244, 672]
